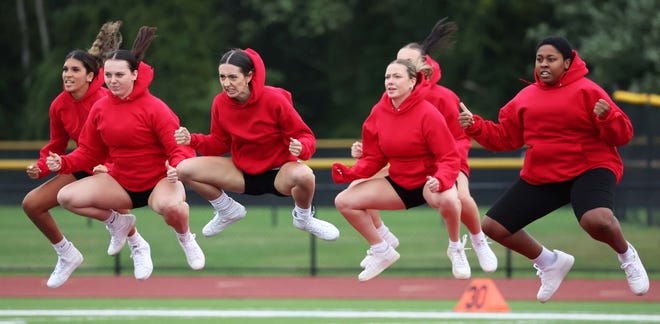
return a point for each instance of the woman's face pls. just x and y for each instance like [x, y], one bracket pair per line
[75, 77]
[234, 83]
[119, 78]
[398, 84]
[550, 64]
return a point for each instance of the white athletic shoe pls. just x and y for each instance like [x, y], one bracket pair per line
[141, 255]
[317, 227]
[459, 262]
[638, 280]
[119, 229]
[194, 254]
[67, 261]
[378, 262]
[552, 276]
[487, 259]
[219, 222]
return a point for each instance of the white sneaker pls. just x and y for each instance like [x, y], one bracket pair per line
[194, 254]
[638, 280]
[552, 276]
[119, 231]
[390, 238]
[67, 262]
[317, 227]
[459, 262]
[378, 262]
[487, 259]
[219, 222]
[141, 255]
[365, 261]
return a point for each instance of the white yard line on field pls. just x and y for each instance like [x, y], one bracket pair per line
[111, 313]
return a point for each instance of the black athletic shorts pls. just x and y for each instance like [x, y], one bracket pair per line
[524, 203]
[260, 184]
[139, 199]
[411, 198]
[81, 174]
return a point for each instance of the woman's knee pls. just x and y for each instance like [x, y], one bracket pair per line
[599, 220]
[342, 201]
[183, 170]
[493, 229]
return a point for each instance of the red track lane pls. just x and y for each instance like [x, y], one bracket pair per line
[309, 288]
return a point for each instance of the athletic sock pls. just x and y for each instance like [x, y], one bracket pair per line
[222, 203]
[383, 230]
[302, 213]
[61, 245]
[133, 239]
[626, 256]
[380, 247]
[545, 259]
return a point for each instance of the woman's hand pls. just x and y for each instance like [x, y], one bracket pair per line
[33, 171]
[356, 150]
[172, 175]
[54, 162]
[433, 183]
[182, 136]
[601, 108]
[465, 118]
[295, 147]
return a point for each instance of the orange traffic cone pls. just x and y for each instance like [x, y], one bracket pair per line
[482, 295]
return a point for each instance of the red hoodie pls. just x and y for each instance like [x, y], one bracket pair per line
[256, 133]
[557, 123]
[67, 117]
[414, 139]
[447, 103]
[134, 132]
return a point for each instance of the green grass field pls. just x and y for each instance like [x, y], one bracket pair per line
[311, 311]
[266, 243]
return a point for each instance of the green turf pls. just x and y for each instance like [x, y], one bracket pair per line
[327, 305]
[265, 243]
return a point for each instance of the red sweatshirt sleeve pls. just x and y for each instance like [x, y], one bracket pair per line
[371, 161]
[507, 135]
[218, 141]
[91, 150]
[443, 146]
[615, 128]
[58, 142]
[294, 127]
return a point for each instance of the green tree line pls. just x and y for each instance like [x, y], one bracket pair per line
[330, 54]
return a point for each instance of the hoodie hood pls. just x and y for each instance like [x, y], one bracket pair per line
[577, 70]
[141, 84]
[257, 83]
[437, 73]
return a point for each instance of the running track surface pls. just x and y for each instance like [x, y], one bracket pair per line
[286, 287]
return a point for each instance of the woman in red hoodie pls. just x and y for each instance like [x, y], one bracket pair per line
[409, 133]
[447, 102]
[571, 128]
[259, 127]
[134, 130]
[68, 112]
